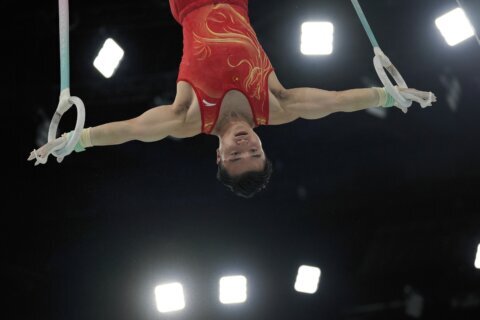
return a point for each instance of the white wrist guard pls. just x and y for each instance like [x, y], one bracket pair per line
[84, 142]
[385, 99]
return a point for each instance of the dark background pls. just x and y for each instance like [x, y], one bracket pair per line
[388, 207]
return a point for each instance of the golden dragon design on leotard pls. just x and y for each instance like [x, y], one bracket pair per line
[258, 62]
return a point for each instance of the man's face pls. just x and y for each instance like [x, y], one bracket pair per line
[241, 150]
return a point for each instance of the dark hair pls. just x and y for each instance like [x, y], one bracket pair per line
[247, 184]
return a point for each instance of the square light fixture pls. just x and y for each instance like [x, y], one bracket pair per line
[233, 289]
[307, 279]
[477, 259]
[317, 38]
[108, 58]
[455, 26]
[169, 297]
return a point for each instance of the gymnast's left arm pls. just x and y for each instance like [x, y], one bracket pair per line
[312, 103]
[153, 125]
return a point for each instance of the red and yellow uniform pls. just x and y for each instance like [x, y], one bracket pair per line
[221, 53]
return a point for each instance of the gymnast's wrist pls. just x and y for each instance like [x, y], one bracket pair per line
[84, 142]
[385, 100]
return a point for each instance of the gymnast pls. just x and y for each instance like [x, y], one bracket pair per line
[227, 87]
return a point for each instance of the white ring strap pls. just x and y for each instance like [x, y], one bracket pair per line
[382, 63]
[65, 103]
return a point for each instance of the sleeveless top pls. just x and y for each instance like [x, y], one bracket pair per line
[221, 52]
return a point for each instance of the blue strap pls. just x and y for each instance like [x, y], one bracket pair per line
[365, 24]
[64, 25]
[78, 147]
[390, 101]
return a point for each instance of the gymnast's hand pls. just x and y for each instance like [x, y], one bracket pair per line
[425, 99]
[41, 154]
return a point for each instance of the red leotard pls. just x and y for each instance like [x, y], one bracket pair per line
[221, 53]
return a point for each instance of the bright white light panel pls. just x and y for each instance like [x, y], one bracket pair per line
[455, 26]
[233, 289]
[307, 279]
[317, 38]
[477, 259]
[169, 297]
[109, 57]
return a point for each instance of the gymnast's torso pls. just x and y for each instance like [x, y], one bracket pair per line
[224, 68]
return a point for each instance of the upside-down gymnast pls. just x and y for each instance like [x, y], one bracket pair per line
[226, 87]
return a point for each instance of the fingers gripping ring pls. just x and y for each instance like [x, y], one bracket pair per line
[382, 63]
[65, 103]
[38, 158]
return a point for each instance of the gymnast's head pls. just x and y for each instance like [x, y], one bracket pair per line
[242, 164]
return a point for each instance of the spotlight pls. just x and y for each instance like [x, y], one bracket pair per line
[108, 58]
[307, 279]
[477, 259]
[169, 297]
[455, 27]
[233, 289]
[317, 38]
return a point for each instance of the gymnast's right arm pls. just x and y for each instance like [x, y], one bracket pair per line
[153, 125]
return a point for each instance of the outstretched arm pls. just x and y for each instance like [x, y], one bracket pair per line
[153, 125]
[312, 103]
